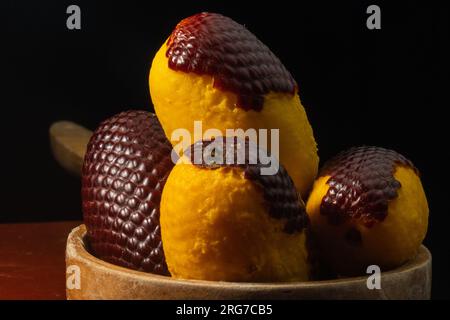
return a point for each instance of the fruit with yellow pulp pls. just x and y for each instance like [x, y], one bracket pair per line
[213, 70]
[226, 223]
[367, 207]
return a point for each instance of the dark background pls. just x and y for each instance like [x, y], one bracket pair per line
[359, 86]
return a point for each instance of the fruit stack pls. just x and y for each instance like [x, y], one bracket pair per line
[149, 208]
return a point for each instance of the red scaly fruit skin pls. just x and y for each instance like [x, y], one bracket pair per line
[361, 184]
[125, 168]
[215, 45]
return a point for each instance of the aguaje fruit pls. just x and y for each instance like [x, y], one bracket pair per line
[227, 222]
[367, 207]
[214, 70]
[124, 172]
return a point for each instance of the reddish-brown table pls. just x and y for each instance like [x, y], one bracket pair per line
[32, 262]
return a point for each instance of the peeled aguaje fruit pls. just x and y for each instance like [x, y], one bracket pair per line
[227, 222]
[124, 172]
[367, 207]
[214, 70]
[224, 220]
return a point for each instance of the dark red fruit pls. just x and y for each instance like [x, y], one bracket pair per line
[212, 44]
[361, 184]
[125, 168]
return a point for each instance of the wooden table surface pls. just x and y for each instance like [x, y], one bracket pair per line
[32, 260]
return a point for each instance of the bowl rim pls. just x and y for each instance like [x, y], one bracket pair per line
[76, 243]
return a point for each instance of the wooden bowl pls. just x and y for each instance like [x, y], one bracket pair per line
[101, 280]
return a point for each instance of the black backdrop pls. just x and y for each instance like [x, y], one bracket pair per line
[359, 86]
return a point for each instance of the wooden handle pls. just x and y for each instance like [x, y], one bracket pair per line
[68, 141]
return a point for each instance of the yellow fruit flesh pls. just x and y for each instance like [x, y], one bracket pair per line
[215, 226]
[181, 98]
[388, 244]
